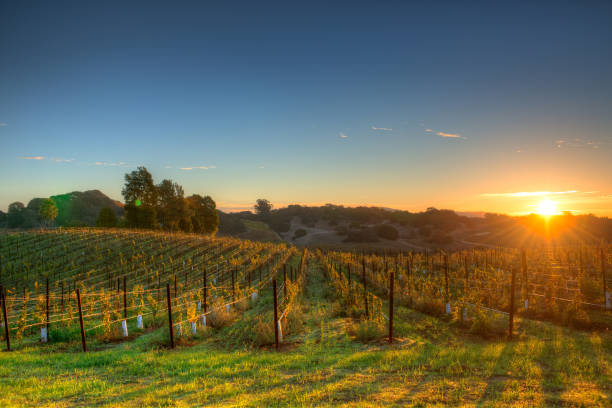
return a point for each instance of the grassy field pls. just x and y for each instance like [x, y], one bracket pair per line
[432, 363]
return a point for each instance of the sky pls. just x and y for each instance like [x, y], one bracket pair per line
[473, 106]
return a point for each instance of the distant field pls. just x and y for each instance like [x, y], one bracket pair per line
[330, 353]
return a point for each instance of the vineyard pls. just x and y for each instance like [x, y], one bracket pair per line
[433, 326]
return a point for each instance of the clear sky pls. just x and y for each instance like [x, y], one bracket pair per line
[456, 105]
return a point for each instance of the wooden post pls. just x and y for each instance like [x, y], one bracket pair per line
[349, 277]
[170, 315]
[603, 278]
[175, 285]
[391, 280]
[205, 289]
[447, 295]
[275, 314]
[525, 281]
[6, 324]
[47, 301]
[365, 292]
[78, 294]
[511, 317]
[285, 280]
[124, 299]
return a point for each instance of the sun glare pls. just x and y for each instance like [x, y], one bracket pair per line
[547, 207]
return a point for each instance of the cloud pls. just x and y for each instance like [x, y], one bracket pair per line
[578, 143]
[262, 167]
[445, 135]
[534, 193]
[198, 168]
[451, 135]
[381, 128]
[58, 160]
[33, 157]
[168, 167]
[342, 135]
[2, 124]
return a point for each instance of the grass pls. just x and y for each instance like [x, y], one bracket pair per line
[432, 363]
[256, 225]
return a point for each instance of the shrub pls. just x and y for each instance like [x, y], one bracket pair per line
[219, 316]
[387, 232]
[299, 233]
[368, 330]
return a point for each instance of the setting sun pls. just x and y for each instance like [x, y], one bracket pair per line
[547, 207]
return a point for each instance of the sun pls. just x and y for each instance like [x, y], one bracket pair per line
[547, 207]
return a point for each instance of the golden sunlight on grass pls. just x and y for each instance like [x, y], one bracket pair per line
[547, 207]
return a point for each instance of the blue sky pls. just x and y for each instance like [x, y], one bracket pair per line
[406, 106]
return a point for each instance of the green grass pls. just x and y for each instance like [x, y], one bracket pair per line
[432, 363]
[256, 225]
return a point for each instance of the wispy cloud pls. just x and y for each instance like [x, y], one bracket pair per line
[534, 193]
[445, 134]
[2, 124]
[381, 128]
[342, 135]
[32, 157]
[451, 135]
[198, 168]
[579, 143]
[58, 160]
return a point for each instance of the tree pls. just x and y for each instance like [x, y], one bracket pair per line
[15, 216]
[387, 232]
[172, 210]
[263, 207]
[140, 195]
[204, 216]
[3, 219]
[106, 218]
[47, 211]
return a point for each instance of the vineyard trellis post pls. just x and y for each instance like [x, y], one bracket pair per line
[511, 316]
[365, 292]
[607, 300]
[525, 279]
[124, 298]
[6, 323]
[83, 341]
[170, 315]
[275, 314]
[447, 295]
[47, 307]
[205, 289]
[391, 282]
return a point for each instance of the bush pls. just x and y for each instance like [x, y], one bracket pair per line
[368, 330]
[299, 233]
[387, 232]
[367, 235]
[220, 317]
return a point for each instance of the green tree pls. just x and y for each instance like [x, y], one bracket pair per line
[3, 219]
[140, 195]
[106, 218]
[47, 211]
[172, 209]
[204, 215]
[15, 216]
[263, 207]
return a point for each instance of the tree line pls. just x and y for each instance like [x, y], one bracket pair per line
[164, 205]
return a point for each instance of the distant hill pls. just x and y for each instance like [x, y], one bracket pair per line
[78, 208]
[82, 207]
